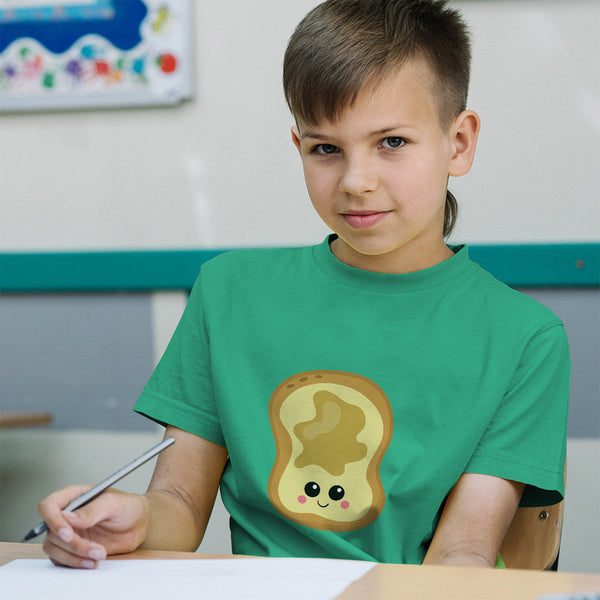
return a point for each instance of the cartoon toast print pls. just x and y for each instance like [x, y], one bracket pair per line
[331, 432]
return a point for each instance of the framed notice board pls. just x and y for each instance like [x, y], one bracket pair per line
[66, 54]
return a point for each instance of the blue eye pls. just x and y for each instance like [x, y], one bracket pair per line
[393, 142]
[325, 149]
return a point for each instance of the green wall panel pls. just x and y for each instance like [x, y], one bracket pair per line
[532, 265]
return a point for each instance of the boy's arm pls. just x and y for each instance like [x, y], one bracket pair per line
[182, 492]
[475, 519]
[172, 515]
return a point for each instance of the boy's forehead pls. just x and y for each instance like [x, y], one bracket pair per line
[405, 91]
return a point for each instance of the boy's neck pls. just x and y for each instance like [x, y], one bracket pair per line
[403, 260]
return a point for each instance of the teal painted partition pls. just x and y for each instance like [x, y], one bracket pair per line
[528, 265]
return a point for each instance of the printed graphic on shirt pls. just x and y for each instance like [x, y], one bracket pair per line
[331, 432]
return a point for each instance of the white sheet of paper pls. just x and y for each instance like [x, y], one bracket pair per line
[222, 579]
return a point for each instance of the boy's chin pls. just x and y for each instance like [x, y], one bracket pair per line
[362, 254]
[385, 256]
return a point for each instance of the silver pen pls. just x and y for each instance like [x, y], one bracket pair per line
[103, 485]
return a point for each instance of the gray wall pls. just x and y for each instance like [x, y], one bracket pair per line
[85, 358]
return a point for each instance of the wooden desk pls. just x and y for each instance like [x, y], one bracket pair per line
[406, 582]
[24, 419]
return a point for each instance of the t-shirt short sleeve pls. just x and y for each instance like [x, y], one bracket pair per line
[526, 439]
[179, 392]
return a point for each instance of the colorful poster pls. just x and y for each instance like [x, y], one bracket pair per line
[68, 54]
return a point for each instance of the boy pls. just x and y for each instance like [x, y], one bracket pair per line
[377, 396]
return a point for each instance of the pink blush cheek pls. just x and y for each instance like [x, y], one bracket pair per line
[302, 499]
[345, 504]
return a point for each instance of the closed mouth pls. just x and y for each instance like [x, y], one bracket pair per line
[322, 505]
[364, 219]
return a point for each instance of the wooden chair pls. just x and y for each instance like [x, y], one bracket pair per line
[533, 538]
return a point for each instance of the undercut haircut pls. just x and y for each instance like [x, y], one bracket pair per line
[343, 45]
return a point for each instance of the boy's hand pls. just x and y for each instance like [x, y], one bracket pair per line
[172, 515]
[113, 523]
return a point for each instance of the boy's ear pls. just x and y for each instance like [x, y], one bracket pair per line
[296, 138]
[464, 131]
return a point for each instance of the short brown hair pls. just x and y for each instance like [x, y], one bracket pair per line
[341, 45]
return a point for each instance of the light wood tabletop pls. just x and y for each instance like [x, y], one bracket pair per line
[405, 582]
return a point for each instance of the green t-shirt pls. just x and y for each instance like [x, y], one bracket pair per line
[351, 402]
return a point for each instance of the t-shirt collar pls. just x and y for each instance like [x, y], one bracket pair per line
[451, 268]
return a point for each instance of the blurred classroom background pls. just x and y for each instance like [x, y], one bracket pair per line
[218, 171]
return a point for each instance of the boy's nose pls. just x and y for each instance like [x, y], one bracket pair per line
[358, 178]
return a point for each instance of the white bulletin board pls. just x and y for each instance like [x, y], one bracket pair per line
[65, 54]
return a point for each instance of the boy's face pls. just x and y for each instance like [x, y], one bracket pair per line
[377, 175]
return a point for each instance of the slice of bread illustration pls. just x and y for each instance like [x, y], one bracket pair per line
[331, 432]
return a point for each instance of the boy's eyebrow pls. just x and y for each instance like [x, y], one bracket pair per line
[317, 135]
